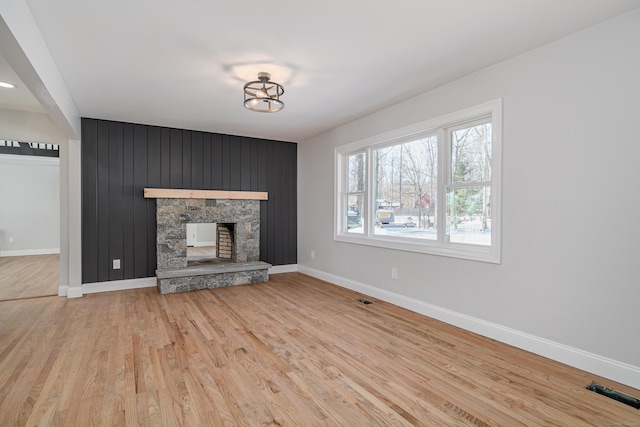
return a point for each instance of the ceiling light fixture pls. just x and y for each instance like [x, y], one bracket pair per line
[263, 95]
[7, 85]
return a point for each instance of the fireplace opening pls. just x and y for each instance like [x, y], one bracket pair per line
[210, 243]
[225, 242]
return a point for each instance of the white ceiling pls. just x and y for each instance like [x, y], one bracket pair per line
[183, 64]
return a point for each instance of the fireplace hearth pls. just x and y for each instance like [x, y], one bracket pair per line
[237, 215]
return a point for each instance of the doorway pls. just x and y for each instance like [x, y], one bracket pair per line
[29, 224]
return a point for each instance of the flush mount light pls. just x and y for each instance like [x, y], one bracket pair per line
[263, 95]
[7, 85]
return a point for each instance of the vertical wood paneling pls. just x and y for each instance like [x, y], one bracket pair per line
[245, 164]
[120, 159]
[217, 162]
[153, 155]
[128, 202]
[197, 158]
[165, 158]
[225, 157]
[207, 180]
[116, 206]
[254, 165]
[263, 185]
[286, 202]
[292, 190]
[235, 163]
[278, 203]
[142, 157]
[90, 201]
[103, 201]
[186, 159]
[272, 206]
[157, 138]
[175, 168]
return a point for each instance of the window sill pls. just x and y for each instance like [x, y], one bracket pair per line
[468, 252]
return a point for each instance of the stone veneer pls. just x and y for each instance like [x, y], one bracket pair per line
[172, 216]
[210, 277]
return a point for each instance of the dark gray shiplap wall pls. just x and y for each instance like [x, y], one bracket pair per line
[120, 159]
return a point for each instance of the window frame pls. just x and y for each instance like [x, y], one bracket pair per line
[348, 193]
[442, 126]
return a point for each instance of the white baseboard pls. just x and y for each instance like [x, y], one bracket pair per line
[26, 252]
[200, 244]
[63, 291]
[74, 292]
[586, 361]
[118, 285]
[289, 268]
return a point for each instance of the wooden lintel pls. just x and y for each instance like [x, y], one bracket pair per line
[168, 193]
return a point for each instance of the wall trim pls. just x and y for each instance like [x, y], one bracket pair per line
[27, 252]
[63, 291]
[199, 244]
[289, 268]
[590, 362]
[119, 285]
[74, 291]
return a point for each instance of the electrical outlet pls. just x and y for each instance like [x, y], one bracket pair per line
[394, 272]
[11, 239]
[116, 264]
[313, 254]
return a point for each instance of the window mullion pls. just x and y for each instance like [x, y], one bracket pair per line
[444, 160]
[345, 198]
[369, 198]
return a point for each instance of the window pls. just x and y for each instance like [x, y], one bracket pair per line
[433, 187]
[354, 196]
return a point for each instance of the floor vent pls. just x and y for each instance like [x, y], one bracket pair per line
[616, 395]
[365, 302]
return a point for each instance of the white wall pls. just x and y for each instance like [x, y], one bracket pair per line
[29, 127]
[206, 235]
[22, 174]
[569, 270]
[29, 205]
[201, 234]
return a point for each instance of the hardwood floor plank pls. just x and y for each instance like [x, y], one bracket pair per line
[293, 351]
[29, 276]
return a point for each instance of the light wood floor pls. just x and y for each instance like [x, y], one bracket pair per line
[29, 276]
[201, 251]
[294, 351]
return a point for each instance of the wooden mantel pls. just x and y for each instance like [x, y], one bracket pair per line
[169, 193]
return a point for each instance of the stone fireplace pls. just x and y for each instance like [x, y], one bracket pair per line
[237, 215]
